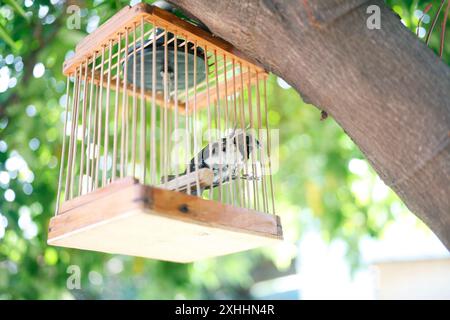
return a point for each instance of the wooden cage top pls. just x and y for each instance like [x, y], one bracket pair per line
[130, 15]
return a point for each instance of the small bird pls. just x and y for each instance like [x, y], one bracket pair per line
[226, 158]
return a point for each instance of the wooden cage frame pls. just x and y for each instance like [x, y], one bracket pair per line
[131, 15]
[127, 216]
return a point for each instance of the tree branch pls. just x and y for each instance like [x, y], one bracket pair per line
[389, 92]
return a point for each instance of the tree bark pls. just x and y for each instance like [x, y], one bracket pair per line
[388, 91]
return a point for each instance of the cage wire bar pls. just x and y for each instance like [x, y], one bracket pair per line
[149, 98]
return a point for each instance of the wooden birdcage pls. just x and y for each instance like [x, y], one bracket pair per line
[166, 149]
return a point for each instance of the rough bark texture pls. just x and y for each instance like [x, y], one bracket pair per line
[389, 92]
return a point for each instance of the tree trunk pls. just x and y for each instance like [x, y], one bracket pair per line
[389, 92]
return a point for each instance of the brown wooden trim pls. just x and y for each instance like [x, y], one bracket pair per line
[125, 195]
[89, 211]
[106, 32]
[97, 194]
[193, 209]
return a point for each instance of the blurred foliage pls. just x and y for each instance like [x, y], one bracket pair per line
[323, 182]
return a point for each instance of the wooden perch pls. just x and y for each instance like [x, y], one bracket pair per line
[205, 178]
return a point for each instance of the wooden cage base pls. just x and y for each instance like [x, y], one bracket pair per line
[129, 218]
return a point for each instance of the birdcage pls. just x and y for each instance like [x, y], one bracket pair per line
[166, 148]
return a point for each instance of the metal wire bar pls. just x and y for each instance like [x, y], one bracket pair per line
[127, 136]
[94, 139]
[71, 138]
[238, 182]
[108, 95]
[188, 134]
[153, 120]
[116, 114]
[99, 127]
[228, 143]
[246, 185]
[90, 145]
[177, 151]
[164, 141]
[123, 143]
[268, 146]
[196, 148]
[208, 100]
[253, 156]
[75, 133]
[63, 151]
[169, 131]
[83, 128]
[143, 116]
[218, 126]
[261, 151]
[134, 114]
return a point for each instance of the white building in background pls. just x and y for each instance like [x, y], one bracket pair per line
[408, 262]
[416, 279]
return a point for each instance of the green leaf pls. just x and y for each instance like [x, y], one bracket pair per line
[17, 8]
[6, 37]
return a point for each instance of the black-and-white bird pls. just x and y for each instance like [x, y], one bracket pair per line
[226, 158]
